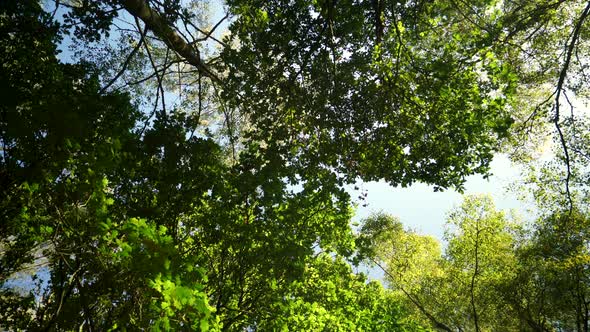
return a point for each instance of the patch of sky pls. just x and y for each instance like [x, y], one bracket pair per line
[423, 210]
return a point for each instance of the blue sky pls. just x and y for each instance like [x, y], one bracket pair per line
[423, 210]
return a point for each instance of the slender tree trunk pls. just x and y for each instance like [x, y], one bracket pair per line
[437, 324]
[475, 272]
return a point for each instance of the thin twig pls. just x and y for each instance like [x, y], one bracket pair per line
[209, 34]
[158, 77]
[55, 10]
[430, 316]
[126, 63]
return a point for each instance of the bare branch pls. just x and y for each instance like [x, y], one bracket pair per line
[57, 3]
[155, 22]
[570, 47]
[159, 78]
[163, 69]
[209, 34]
[126, 63]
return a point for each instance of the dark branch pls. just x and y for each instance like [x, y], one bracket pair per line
[430, 316]
[158, 25]
[560, 88]
[126, 63]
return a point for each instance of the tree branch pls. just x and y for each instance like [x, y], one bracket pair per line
[153, 21]
[126, 63]
[430, 316]
[473, 277]
[158, 77]
[560, 88]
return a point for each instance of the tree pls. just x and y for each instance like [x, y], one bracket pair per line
[61, 143]
[331, 298]
[328, 90]
[399, 104]
[481, 256]
[411, 262]
[550, 287]
[546, 41]
[136, 225]
[141, 214]
[462, 289]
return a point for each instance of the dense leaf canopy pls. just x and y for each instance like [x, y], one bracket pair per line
[160, 170]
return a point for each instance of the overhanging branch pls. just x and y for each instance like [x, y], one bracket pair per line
[158, 25]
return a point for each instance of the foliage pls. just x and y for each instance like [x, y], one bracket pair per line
[549, 291]
[494, 273]
[331, 298]
[133, 225]
[225, 208]
[460, 290]
[400, 104]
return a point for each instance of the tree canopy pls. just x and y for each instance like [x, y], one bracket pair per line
[181, 165]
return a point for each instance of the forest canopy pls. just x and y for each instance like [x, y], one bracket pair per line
[182, 165]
